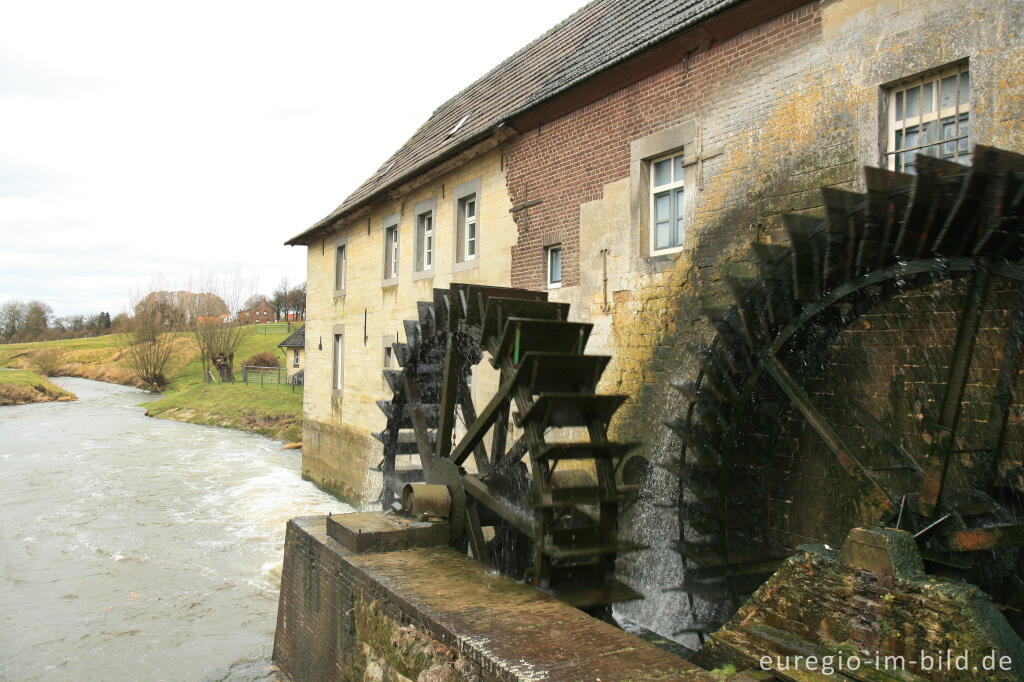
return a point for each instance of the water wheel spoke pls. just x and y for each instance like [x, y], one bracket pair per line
[1009, 371]
[449, 395]
[873, 428]
[419, 421]
[944, 431]
[869, 485]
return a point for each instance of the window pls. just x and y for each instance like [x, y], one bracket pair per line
[295, 358]
[667, 204]
[554, 266]
[391, 245]
[466, 232]
[466, 208]
[340, 267]
[929, 115]
[338, 373]
[424, 239]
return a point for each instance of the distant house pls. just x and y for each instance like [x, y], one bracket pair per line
[261, 312]
[294, 349]
[292, 317]
[205, 319]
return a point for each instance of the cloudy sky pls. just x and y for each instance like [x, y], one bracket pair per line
[152, 141]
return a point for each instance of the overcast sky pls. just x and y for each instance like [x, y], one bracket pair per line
[143, 140]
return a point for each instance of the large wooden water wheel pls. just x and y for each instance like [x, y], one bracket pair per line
[782, 375]
[541, 505]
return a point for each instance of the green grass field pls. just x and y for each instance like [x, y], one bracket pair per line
[275, 411]
[20, 386]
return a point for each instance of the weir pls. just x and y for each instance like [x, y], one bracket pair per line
[793, 438]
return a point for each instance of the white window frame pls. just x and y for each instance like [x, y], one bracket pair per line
[548, 254]
[340, 263]
[676, 193]
[391, 245]
[392, 250]
[295, 357]
[952, 147]
[338, 361]
[466, 229]
[427, 221]
[424, 238]
[469, 227]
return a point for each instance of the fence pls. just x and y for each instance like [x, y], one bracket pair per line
[277, 327]
[266, 376]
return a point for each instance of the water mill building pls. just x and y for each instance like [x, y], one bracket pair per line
[665, 168]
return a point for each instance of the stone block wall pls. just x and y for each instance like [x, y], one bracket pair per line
[338, 446]
[872, 602]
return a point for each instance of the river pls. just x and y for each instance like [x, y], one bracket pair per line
[134, 548]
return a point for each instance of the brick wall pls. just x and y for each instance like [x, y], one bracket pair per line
[569, 161]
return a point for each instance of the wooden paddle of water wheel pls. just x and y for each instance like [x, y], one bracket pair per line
[955, 484]
[523, 510]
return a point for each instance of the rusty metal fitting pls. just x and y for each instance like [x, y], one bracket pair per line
[423, 500]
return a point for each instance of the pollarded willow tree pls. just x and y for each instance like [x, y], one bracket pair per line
[148, 345]
[211, 317]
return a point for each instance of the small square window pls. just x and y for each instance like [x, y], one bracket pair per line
[929, 115]
[554, 266]
[667, 204]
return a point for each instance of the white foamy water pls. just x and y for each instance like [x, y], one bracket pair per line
[134, 548]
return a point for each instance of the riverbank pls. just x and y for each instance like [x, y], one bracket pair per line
[273, 411]
[20, 387]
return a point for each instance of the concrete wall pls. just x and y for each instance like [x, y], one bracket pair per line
[338, 447]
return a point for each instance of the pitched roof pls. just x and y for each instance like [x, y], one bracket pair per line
[297, 339]
[601, 34]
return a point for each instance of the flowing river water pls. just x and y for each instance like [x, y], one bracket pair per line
[134, 548]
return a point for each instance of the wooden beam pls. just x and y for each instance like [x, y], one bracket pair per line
[419, 423]
[867, 483]
[520, 519]
[944, 432]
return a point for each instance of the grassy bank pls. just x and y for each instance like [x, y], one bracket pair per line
[18, 387]
[274, 411]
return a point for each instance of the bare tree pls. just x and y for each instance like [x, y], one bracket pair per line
[280, 299]
[213, 322]
[38, 316]
[12, 320]
[148, 345]
[297, 301]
